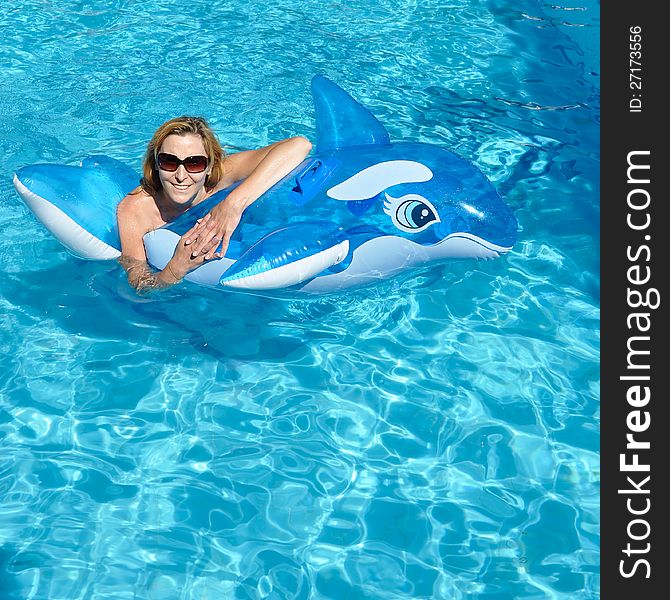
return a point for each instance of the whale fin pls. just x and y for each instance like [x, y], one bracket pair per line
[341, 121]
[288, 256]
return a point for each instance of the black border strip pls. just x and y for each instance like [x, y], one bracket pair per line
[633, 240]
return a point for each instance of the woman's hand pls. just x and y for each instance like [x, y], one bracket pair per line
[213, 229]
[184, 260]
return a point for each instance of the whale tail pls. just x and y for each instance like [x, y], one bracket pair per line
[78, 204]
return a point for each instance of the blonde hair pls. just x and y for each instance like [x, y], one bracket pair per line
[151, 182]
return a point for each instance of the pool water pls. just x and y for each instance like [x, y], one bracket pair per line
[433, 436]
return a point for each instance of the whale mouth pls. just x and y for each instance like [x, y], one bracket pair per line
[468, 245]
[389, 255]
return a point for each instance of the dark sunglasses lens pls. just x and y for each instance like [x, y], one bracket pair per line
[195, 164]
[167, 162]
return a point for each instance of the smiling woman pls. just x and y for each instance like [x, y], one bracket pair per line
[184, 164]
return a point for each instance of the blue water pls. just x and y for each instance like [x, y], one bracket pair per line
[435, 436]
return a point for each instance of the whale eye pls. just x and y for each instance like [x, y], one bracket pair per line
[411, 213]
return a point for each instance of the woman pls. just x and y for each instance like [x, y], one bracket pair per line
[185, 164]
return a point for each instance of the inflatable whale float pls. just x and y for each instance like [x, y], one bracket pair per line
[360, 209]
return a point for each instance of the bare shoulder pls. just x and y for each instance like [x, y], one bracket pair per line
[136, 215]
[136, 202]
[139, 210]
[235, 167]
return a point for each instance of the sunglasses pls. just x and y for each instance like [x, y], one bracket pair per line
[192, 164]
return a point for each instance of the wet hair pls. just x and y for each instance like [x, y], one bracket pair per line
[151, 182]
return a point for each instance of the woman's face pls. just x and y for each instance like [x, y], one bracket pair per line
[180, 186]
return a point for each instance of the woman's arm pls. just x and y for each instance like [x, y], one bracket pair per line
[143, 278]
[260, 170]
[133, 224]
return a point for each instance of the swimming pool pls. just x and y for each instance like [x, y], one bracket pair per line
[435, 436]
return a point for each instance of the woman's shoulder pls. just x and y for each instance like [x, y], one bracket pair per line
[135, 197]
[139, 207]
[138, 201]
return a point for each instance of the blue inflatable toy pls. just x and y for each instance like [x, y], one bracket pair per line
[362, 208]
